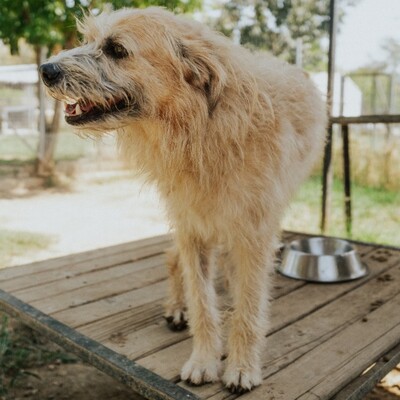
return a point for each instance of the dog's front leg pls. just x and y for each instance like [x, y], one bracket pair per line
[175, 307]
[249, 318]
[204, 320]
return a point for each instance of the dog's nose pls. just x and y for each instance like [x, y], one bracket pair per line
[50, 73]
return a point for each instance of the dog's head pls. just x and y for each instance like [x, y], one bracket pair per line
[136, 64]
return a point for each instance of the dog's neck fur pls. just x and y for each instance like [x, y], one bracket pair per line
[168, 151]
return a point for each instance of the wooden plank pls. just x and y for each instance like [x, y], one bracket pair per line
[363, 384]
[308, 332]
[296, 374]
[131, 322]
[367, 119]
[97, 310]
[126, 322]
[106, 290]
[287, 345]
[64, 261]
[281, 312]
[344, 356]
[46, 290]
[169, 361]
[101, 329]
[34, 279]
[146, 341]
[144, 382]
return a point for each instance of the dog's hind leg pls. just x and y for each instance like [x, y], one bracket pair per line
[175, 307]
[248, 320]
[204, 320]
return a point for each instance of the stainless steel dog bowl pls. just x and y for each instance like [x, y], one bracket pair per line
[321, 260]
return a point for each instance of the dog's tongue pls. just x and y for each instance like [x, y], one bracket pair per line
[70, 109]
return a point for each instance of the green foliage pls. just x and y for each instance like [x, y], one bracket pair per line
[275, 25]
[34, 20]
[178, 6]
[20, 350]
[52, 23]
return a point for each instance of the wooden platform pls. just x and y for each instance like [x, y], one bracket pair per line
[106, 306]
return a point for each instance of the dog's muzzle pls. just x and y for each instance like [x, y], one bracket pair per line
[51, 73]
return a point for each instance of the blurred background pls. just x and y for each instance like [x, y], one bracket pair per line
[62, 194]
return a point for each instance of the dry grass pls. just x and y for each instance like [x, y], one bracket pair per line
[375, 157]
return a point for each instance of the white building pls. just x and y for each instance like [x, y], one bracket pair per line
[18, 100]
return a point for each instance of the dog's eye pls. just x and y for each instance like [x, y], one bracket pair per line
[115, 50]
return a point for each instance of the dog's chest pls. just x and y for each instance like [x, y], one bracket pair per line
[196, 208]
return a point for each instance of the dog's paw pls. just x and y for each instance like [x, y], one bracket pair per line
[241, 380]
[197, 372]
[176, 319]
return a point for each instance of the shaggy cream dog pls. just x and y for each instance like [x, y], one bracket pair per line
[227, 136]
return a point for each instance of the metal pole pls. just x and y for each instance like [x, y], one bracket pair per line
[346, 161]
[327, 173]
[347, 177]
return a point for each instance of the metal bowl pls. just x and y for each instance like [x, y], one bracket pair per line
[321, 259]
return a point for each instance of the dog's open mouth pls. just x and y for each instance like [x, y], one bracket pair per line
[81, 111]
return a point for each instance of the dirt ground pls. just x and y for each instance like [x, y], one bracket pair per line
[99, 209]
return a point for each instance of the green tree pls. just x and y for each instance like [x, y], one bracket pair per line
[50, 25]
[280, 26]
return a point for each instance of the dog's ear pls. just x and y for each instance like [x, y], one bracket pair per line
[202, 70]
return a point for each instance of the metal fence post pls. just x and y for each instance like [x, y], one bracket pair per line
[327, 173]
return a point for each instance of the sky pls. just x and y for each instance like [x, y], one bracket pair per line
[364, 28]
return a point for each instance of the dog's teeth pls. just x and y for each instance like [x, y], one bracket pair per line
[68, 100]
[78, 110]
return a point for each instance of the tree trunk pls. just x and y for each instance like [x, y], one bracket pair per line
[48, 135]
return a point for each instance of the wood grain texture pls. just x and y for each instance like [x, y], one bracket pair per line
[320, 338]
[59, 262]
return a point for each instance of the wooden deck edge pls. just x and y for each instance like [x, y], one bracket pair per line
[138, 378]
[361, 386]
